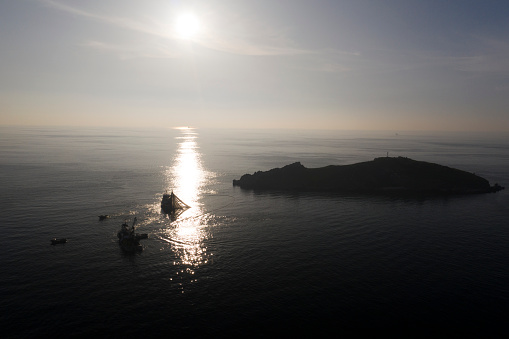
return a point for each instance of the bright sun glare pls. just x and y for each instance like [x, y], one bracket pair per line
[187, 25]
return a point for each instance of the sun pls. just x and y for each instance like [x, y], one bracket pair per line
[187, 25]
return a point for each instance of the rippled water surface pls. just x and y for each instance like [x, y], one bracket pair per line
[240, 261]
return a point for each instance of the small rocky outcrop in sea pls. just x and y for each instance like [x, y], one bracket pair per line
[381, 175]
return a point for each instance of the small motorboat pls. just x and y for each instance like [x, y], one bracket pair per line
[56, 241]
[104, 216]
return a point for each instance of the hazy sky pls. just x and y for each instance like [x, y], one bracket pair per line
[354, 64]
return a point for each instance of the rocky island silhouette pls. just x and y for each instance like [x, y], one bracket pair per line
[387, 175]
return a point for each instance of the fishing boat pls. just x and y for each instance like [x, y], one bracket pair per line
[171, 204]
[128, 240]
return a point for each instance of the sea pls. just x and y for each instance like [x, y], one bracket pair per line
[245, 262]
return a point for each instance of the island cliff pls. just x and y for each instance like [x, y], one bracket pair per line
[381, 175]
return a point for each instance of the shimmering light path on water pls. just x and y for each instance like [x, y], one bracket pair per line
[187, 178]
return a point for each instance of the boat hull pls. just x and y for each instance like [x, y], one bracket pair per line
[130, 245]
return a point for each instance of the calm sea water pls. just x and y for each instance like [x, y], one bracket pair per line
[242, 262]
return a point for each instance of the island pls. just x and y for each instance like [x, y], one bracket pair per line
[382, 175]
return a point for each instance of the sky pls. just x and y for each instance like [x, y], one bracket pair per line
[301, 64]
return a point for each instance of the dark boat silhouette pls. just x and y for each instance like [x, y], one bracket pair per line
[56, 241]
[128, 240]
[171, 204]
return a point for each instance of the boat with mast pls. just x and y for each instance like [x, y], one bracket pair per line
[171, 204]
[128, 240]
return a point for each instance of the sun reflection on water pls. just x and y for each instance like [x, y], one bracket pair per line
[187, 178]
